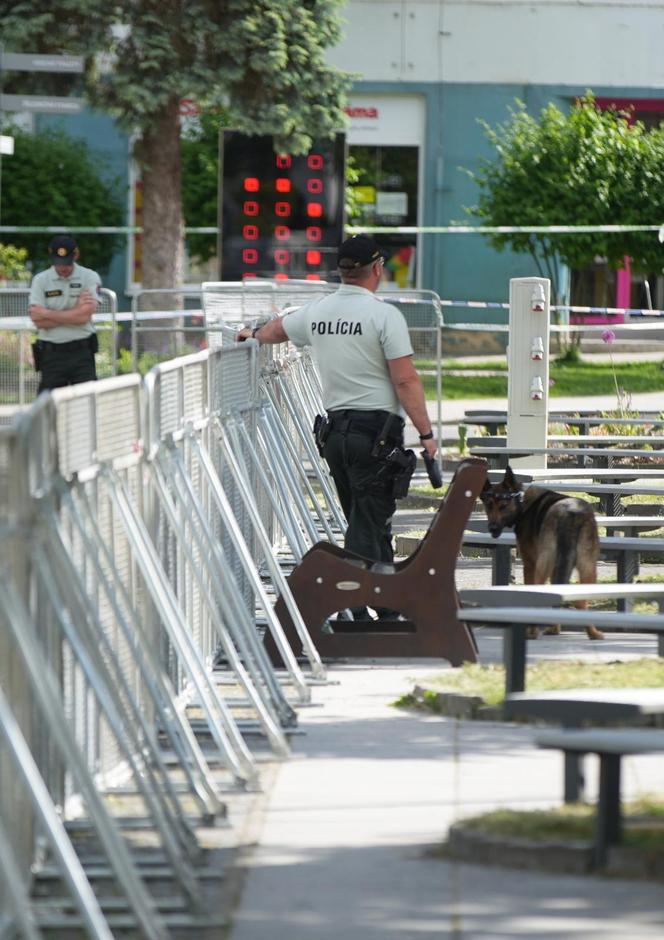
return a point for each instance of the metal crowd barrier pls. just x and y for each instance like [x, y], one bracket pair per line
[135, 556]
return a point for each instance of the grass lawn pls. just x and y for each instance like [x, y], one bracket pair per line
[644, 823]
[583, 378]
[488, 682]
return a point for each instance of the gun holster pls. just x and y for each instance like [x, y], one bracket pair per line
[322, 428]
[401, 466]
[388, 436]
[37, 354]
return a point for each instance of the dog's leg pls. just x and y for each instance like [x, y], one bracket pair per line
[532, 632]
[587, 567]
[544, 570]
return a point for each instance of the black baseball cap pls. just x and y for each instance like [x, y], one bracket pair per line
[62, 249]
[357, 251]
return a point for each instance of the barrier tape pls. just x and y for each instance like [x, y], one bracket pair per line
[369, 229]
[606, 311]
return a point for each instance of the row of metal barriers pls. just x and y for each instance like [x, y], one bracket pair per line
[147, 526]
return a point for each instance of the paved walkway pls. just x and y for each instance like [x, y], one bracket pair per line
[346, 844]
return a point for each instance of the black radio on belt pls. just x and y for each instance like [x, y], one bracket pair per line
[322, 428]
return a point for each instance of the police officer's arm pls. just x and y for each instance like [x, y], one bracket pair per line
[78, 315]
[408, 386]
[269, 333]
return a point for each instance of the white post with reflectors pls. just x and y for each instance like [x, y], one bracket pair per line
[528, 368]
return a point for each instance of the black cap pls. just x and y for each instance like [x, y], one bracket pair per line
[62, 249]
[357, 251]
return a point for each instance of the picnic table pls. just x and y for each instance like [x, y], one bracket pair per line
[514, 608]
[626, 549]
[572, 708]
[611, 745]
[493, 420]
[614, 485]
[601, 457]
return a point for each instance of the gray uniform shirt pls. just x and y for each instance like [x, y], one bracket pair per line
[50, 290]
[352, 335]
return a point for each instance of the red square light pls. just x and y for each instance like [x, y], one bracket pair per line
[315, 161]
[280, 277]
[282, 185]
[313, 257]
[312, 277]
[314, 185]
[281, 232]
[314, 233]
[248, 274]
[282, 209]
[250, 232]
[314, 210]
[249, 255]
[252, 184]
[283, 161]
[250, 207]
[282, 256]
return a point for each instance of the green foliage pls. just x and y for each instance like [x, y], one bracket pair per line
[587, 167]
[262, 59]
[200, 179]
[12, 263]
[53, 179]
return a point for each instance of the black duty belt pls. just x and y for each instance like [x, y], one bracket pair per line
[70, 346]
[370, 422]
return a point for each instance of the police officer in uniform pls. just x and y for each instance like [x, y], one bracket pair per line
[62, 302]
[364, 356]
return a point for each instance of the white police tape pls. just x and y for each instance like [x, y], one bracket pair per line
[604, 311]
[500, 229]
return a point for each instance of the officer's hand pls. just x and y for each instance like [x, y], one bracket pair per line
[241, 335]
[431, 447]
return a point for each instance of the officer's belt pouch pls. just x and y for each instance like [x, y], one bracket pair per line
[322, 428]
[37, 354]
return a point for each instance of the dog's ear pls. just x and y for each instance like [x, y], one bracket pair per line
[509, 479]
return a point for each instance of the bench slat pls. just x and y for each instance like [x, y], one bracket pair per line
[603, 740]
[606, 620]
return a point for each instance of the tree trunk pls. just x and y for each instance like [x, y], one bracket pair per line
[158, 153]
[163, 226]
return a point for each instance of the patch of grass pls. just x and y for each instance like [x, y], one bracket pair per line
[488, 682]
[574, 378]
[644, 823]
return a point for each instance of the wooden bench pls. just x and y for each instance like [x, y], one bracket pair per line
[515, 608]
[611, 745]
[573, 708]
[422, 587]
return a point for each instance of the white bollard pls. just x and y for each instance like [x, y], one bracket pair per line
[528, 368]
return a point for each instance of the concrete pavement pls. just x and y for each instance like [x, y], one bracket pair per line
[346, 842]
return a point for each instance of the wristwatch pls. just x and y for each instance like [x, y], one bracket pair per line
[254, 331]
[427, 437]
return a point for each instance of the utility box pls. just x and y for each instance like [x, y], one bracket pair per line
[528, 368]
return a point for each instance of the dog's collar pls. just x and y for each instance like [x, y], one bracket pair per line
[517, 496]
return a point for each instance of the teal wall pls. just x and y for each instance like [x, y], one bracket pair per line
[110, 145]
[466, 267]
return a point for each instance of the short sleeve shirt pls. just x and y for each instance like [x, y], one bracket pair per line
[50, 290]
[352, 334]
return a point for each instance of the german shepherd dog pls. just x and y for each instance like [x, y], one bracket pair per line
[554, 534]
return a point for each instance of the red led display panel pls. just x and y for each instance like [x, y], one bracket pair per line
[280, 214]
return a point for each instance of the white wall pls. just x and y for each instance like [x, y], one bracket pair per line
[564, 42]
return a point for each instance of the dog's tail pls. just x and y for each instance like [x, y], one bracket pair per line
[567, 543]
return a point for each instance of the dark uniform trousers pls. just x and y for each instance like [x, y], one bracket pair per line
[363, 482]
[63, 364]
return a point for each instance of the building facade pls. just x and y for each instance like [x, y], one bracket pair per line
[427, 72]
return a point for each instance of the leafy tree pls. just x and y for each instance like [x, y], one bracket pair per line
[262, 59]
[12, 263]
[587, 167]
[53, 179]
[200, 180]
